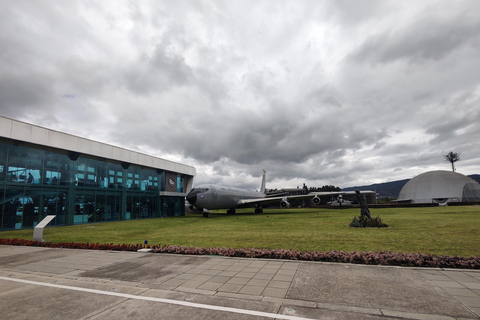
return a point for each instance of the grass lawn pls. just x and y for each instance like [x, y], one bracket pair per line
[432, 230]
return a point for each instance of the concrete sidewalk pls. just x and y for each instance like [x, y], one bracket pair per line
[45, 283]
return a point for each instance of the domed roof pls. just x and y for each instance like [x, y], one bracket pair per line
[440, 186]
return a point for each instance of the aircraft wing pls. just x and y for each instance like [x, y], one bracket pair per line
[272, 200]
[328, 193]
[283, 201]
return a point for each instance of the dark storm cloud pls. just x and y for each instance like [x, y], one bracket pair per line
[431, 34]
[459, 125]
[158, 72]
[18, 91]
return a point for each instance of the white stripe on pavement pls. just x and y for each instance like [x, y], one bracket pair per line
[169, 301]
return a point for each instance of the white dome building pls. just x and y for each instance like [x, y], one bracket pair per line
[440, 187]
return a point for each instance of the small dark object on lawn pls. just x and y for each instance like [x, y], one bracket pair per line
[363, 205]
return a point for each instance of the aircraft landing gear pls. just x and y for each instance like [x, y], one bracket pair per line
[206, 214]
[231, 211]
[258, 210]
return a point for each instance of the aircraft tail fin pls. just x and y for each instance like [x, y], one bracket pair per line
[262, 187]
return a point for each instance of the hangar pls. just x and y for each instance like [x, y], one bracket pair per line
[46, 172]
[440, 187]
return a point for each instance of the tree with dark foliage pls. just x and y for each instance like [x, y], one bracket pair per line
[452, 157]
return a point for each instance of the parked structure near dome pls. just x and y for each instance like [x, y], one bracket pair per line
[440, 187]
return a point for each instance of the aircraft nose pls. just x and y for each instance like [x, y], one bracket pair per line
[192, 197]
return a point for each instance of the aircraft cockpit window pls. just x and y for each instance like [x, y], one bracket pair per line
[202, 190]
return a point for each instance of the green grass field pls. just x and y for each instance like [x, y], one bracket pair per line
[432, 230]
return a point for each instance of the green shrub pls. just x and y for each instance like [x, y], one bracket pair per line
[365, 222]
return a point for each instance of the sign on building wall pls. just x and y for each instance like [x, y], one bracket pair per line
[171, 182]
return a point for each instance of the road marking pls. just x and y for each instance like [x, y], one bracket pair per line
[169, 301]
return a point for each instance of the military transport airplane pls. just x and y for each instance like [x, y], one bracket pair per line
[213, 197]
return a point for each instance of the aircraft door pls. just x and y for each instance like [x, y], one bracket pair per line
[214, 192]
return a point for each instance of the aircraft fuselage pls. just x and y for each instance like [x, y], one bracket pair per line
[213, 197]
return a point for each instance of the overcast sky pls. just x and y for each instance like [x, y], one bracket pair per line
[319, 92]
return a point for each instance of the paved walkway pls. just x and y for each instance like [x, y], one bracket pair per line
[45, 283]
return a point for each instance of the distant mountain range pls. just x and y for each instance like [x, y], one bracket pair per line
[392, 189]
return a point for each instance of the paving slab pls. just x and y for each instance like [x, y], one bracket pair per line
[319, 313]
[390, 288]
[35, 302]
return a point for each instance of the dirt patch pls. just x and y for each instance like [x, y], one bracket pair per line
[154, 268]
[32, 257]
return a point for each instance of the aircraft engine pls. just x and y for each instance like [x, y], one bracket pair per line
[284, 203]
[316, 200]
[193, 209]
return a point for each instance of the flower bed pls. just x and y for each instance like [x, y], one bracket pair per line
[72, 245]
[371, 258]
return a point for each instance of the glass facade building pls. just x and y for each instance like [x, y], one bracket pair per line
[37, 180]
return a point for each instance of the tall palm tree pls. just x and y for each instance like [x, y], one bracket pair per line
[452, 157]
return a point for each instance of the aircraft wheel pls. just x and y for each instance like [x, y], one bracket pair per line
[206, 214]
[258, 210]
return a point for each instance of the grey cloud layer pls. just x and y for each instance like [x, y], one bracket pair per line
[326, 93]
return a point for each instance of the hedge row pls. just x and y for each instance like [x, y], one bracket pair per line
[371, 258]
[72, 245]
